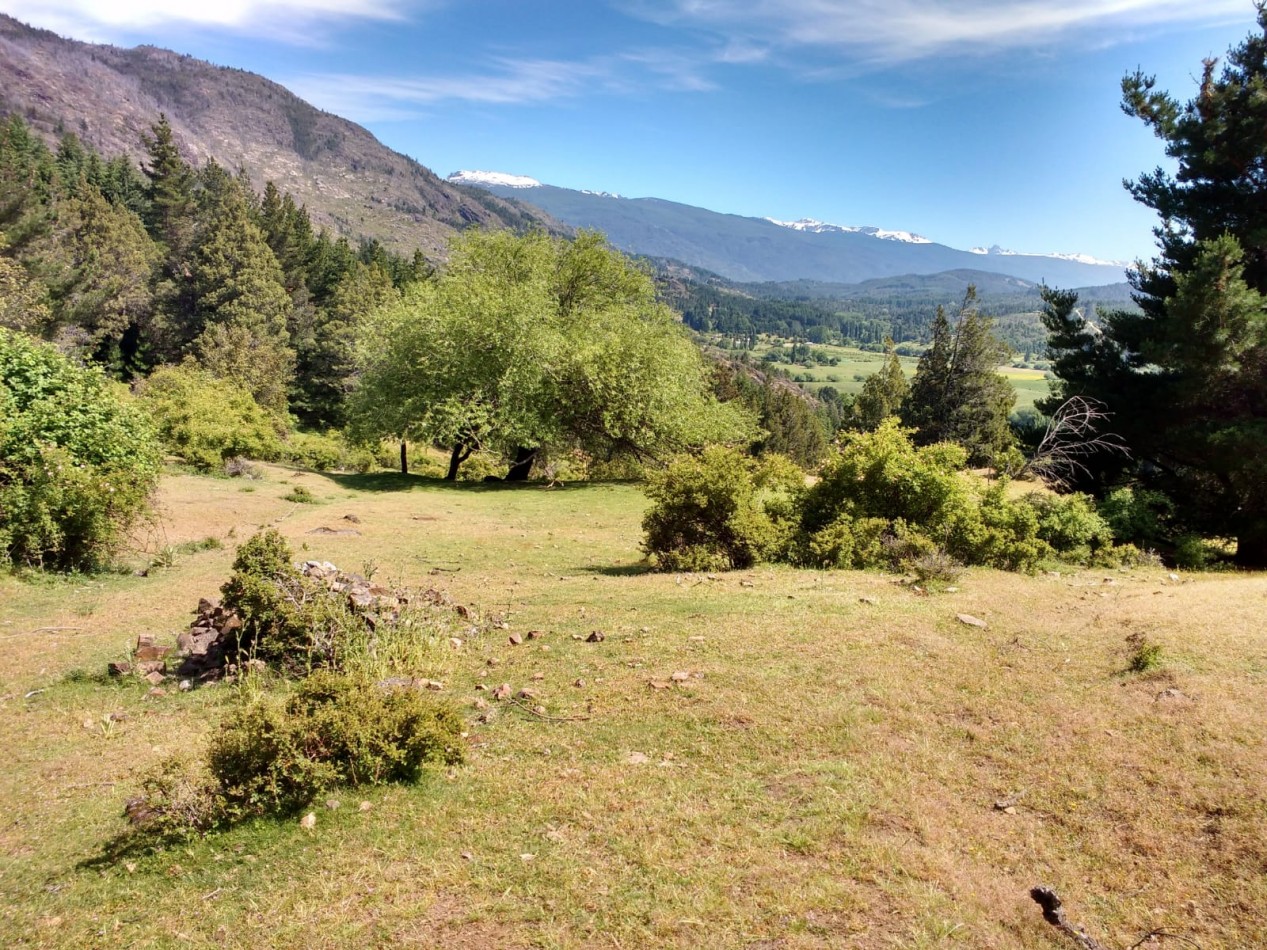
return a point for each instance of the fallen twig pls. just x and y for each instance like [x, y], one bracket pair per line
[1054, 914]
[1165, 935]
[528, 709]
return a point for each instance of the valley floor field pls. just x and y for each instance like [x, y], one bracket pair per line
[845, 763]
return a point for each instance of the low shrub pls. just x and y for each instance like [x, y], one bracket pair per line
[300, 496]
[720, 510]
[328, 451]
[78, 460]
[1138, 516]
[206, 420]
[274, 756]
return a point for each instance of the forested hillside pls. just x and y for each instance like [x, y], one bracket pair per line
[349, 182]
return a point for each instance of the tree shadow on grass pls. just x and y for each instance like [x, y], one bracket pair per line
[395, 482]
[618, 570]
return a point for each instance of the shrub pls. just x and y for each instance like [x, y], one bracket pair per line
[1138, 516]
[1074, 528]
[300, 496]
[272, 757]
[206, 420]
[77, 460]
[262, 590]
[720, 510]
[326, 451]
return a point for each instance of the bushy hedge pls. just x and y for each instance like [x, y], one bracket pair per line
[273, 756]
[206, 420]
[879, 502]
[721, 510]
[77, 460]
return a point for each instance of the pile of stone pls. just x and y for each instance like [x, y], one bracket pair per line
[202, 651]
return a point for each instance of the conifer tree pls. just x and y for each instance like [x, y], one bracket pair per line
[957, 394]
[883, 392]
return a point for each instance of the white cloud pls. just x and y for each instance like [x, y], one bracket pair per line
[286, 20]
[905, 30]
[505, 81]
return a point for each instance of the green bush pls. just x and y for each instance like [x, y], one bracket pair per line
[265, 589]
[1138, 516]
[206, 420]
[721, 510]
[1074, 528]
[324, 452]
[273, 757]
[77, 460]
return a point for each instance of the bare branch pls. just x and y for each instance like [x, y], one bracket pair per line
[1072, 435]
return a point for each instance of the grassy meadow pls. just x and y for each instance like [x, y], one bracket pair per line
[844, 763]
[856, 365]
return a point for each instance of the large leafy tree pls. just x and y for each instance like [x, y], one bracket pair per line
[1186, 377]
[957, 394]
[528, 342]
[883, 392]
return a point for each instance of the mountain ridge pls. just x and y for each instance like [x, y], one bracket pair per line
[757, 250]
[349, 181]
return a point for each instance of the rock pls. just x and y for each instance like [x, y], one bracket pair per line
[147, 649]
[538, 677]
[205, 606]
[364, 806]
[526, 693]
[154, 678]
[636, 758]
[579, 684]
[659, 684]
[480, 703]
[869, 601]
[681, 676]
[491, 661]
[119, 668]
[146, 667]
[308, 821]
[156, 692]
[503, 692]
[455, 643]
[186, 685]
[535, 634]
[1173, 696]
[596, 637]
[515, 639]
[971, 621]
[434, 685]
[332, 803]
[352, 518]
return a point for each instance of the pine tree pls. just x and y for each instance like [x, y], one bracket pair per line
[883, 392]
[957, 394]
[1185, 378]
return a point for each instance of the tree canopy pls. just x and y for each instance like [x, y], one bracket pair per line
[528, 342]
[1186, 378]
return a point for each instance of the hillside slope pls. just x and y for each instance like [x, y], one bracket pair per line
[757, 250]
[349, 180]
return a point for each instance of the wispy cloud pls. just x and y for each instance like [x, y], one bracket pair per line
[293, 21]
[502, 81]
[892, 31]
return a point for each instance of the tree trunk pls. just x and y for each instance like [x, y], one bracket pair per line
[522, 465]
[1251, 545]
[461, 452]
[404, 457]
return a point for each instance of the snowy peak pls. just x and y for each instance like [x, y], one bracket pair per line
[493, 178]
[997, 251]
[818, 227]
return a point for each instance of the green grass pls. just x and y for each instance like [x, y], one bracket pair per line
[825, 776]
[856, 365]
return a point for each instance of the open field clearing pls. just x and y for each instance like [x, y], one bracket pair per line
[856, 365]
[840, 762]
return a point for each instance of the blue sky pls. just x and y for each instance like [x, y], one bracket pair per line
[972, 122]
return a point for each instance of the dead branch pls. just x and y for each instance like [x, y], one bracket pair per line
[1054, 914]
[528, 709]
[1073, 434]
[1165, 935]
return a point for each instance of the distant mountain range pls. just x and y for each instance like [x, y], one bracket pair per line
[349, 181]
[760, 249]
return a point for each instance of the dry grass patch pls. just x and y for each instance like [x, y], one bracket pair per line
[825, 774]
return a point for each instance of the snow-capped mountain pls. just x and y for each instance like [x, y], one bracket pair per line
[819, 227]
[1076, 258]
[496, 179]
[767, 249]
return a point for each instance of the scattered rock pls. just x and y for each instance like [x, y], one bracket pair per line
[579, 684]
[596, 637]
[455, 643]
[119, 668]
[308, 821]
[515, 639]
[467, 856]
[971, 621]
[364, 806]
[538, 677]
[503, 692]
[154, 678]
[659, 684]
[870, 601]
[332, 803]
[535, 634]
[480, 703]
[492, 661]
[156, 692]
[349, 532]
[1173, 695]
[636, 758]
[352, 518]
[186, 685]
[526, 693]
[681, 676]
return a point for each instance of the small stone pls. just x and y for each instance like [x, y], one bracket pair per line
[186, 685]
[538, 677]
[154, 678]
[696, 639]
[747, 584]
[481, 687]
[870, 601]
[332, 803]
[526, 693]
[503, 692]
[480, 703]
[467, 856]
[435, 685]
[579, 683]
[637, 758]
[971, 621]
[119, 668]
[952, 590]
[492, 661]
[156, 692]
[364, 806]
[681, 676]
[535, 634]
[540, 711]
[308, 821]
[527, 857]
[455, 643]
[596, 637]
[659, 684]
[515, 639]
